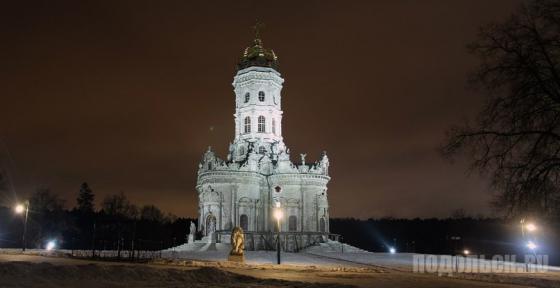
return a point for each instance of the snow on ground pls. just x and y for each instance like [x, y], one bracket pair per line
[25, 274]
[316, 264]
[18, 270]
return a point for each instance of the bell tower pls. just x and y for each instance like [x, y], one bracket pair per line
[258, 111]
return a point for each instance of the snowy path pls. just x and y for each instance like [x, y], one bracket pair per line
[38, 271]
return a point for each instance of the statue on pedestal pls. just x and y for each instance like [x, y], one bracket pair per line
[237, 245]
[192, 232]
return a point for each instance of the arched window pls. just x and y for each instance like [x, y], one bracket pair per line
[244, 222]
[247, 124]
[262, 150]
[292, 223]
[247, 97]
[262, 122]
[261, 96]
[273, 126]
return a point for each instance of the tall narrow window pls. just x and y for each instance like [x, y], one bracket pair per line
[247, 124]
[261, 96]
[247, 97]
[273, 126]
[292, 223]
[262, 124]
[322, 225]
[244, 222]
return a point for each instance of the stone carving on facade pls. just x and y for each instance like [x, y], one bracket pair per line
[231, 152]
[253, 162]
[265, 165]
[302, 158]
[324, 163]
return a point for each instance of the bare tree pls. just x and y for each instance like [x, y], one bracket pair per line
[516, 137]
[118, 205]
[152, 213]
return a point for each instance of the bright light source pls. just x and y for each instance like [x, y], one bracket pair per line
[20, 208]
[531, 227]
[278, 214]
[392, 250]
[531, 245]
[51, 245]
[466, 252]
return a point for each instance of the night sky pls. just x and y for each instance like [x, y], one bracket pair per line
[127, 95]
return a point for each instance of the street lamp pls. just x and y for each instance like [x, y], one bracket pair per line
[278, 215]
[20, 209]
[531, 227]
[532, 246]
[51, 245]
[466, 252]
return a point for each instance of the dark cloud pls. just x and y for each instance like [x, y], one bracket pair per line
[126, 95]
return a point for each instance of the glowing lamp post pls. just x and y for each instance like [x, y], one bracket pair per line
[532, 246]
[20, 209]
[51, 245]
[278, 216]
[530, 227]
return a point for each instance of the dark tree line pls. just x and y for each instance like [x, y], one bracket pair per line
[118, 224]
[516, 137]
[481, 236]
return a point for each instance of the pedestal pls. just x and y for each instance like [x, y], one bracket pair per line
[236, 258]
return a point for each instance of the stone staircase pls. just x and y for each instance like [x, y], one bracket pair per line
[199, 246]
[333, 247]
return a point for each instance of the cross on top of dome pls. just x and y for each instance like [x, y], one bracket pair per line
[257, 55]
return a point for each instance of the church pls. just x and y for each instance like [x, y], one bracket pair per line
[258, 174]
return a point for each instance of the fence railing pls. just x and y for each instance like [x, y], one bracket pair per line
[290, 241]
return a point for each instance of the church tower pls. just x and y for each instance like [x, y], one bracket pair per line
[258, 111]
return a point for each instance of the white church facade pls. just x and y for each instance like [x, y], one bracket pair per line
[258, 174]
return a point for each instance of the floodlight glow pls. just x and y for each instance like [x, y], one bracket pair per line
[392, 250]
[19, 208]
[278, 214]
[51, 245]
[466, 252]
[531, 245]
[531, 227]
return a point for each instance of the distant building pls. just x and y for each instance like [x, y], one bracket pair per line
[243, 189]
